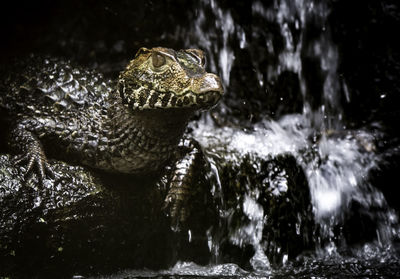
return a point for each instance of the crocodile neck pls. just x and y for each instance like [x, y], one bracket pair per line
[140, 141]
[163, 124]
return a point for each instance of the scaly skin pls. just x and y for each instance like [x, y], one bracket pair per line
[63, 112]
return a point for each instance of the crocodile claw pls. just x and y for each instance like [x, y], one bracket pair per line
[177, 201]
[175, 207]
[35, 162]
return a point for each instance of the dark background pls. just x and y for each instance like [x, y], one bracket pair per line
[105, 34]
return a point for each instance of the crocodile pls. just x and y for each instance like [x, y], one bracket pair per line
[135, 125]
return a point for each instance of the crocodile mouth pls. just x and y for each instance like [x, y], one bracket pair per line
[194, 100]
[207, 99]
[150, 99]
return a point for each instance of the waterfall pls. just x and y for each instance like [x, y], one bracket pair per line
[341, 158]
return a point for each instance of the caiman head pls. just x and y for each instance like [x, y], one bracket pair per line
[161, 78]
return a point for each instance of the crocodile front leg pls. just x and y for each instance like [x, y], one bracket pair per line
[30, 152]
[182, 183]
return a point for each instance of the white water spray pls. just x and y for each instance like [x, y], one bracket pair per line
[342, 159]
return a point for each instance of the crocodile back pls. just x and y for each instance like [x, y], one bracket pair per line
[50, 86]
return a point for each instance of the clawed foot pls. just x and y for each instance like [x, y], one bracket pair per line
[24, 142]
[177, 201]
[175, 205]
[35, 162]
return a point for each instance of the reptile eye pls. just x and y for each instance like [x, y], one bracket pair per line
[198, 55]
[158, 60]
[203, 61]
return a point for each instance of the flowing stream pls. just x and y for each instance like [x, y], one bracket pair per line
[336, 159]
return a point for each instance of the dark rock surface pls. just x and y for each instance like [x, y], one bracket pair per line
[277, 186]
[87, 222]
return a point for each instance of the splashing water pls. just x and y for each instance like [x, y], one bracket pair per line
[336, 161]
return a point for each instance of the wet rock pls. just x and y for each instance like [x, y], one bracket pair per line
[266, 207]
[384, 177]
[85, 222]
